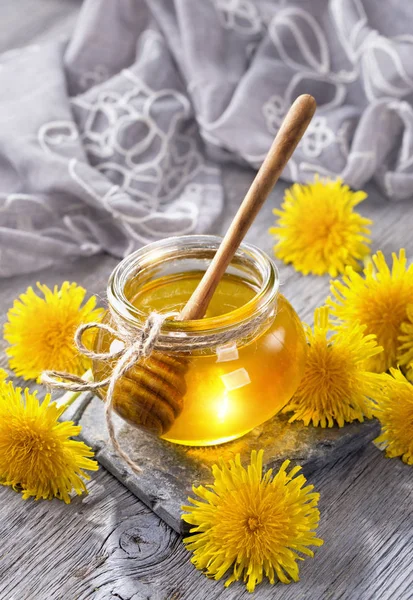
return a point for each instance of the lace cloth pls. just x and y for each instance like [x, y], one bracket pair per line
[115, 138]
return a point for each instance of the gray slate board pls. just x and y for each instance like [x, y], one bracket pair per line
[169, 470]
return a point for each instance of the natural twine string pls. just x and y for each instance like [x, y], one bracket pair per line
[132, 351]
[137, 345]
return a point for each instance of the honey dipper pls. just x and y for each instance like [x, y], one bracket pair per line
[151, 393]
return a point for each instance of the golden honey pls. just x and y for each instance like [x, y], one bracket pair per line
[226, 389]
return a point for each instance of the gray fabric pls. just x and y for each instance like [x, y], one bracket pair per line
[116, 138]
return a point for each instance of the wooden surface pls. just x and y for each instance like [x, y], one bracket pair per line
[108, 545]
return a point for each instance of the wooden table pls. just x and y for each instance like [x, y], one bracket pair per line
[109, 545]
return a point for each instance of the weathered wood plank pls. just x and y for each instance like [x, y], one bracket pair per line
[108, 545]
[366, 503]
[174, 470]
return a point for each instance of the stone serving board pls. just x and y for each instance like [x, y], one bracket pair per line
[169, 470]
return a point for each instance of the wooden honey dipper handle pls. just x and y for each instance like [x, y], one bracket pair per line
[290, 133]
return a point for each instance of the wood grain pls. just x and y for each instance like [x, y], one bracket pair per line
[288, 136]
[55, 552]
[108, 545]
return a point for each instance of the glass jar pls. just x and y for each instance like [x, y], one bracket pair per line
[210, 380]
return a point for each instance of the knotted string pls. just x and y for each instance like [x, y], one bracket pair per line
[133, 350]
[137, 345]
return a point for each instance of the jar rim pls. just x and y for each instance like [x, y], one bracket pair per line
[169, 247]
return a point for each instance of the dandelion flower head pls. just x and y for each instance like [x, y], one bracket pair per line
[37, 455]
[336, 387]
[41, 327]
[378, 299]
[250, 525]
[318, 231]
[395, 413]
[405, 350]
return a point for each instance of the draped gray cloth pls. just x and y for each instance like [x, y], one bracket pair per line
[116, 137]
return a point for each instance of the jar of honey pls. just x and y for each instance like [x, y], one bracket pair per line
[211, 380]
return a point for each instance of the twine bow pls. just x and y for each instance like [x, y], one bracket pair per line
[137, 346]
[134, 348]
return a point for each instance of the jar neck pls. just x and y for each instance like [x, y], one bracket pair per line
[180, 254]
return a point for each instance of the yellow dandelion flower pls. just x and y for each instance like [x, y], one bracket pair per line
[3, 375]
[37, 456]
[336, 388]
[252, 524]
[40, 330]
[395, 413]
[318, 230]
[377, 299]
[405, 351]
